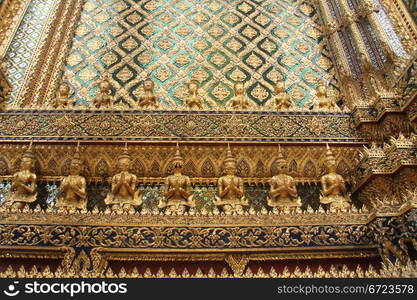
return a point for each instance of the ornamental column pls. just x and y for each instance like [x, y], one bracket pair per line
[349, 20]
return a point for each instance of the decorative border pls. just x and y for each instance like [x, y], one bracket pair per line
[178, 125]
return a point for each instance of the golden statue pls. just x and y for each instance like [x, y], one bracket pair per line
[23, 189]
[239, 101]
[72, 191]
[231, 195]
[123, 192]
[283, 192]
[63, 93]
[324, 100]
[282, 100]
[5, 86]
[333, 184]
[177, 189]
[103, 97]
[149, 99]
[194, 101]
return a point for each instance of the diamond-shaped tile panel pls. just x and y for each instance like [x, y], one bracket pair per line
[231, 19]
[234, 45]
[216, 31]
[254, 60]
[218, 59]
[200, 44]
[259, 93]
[183, 31]
[147, 31]
[202, 74]
[246, 8]
[238, 73]
[151, 6]
[124, 74]
[215, 6]
[110, 59]
[273, 74]
[115, 30]
[249, 32]
[262, 20]
[269, 46]
[83, 30]
[129, 44]
[120, 6]
[95, 44]
[182, 59]
[87, 75]
[199, 18]
[165, 43]
[133, 18]
[183, 5]
[163, 74]
[145, 58]
[220, 93]
[75, 58]
[289, 61]
[212, 41]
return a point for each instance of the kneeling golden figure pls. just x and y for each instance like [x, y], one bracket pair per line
[283, 192]
[177, 189]
[23, 189]
[231, 197]
[334, 187]
[72, 191]
[123, 194]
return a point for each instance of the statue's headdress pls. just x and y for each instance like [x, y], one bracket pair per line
[125, 153]
[329, 155]
[177, 157]
[77, 156]
[280, 160]
[229, 157]
[29, 153]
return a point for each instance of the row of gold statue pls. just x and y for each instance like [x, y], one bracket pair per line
[281, 101]
[177, 195]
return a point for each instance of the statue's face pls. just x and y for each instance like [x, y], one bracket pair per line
[75, 168]
[282, 169]
[63, 89]
[331, 164]
[148, 85]
[239, 88]
[177, 165]
[26, 163]
[104, 85]
[230, 169]
[193, 87]
[321, 90]
[124, 164]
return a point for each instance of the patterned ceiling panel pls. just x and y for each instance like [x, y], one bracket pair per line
[213, 41]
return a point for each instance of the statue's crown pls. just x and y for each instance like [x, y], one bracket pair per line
[125, 153]
[229, 156]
